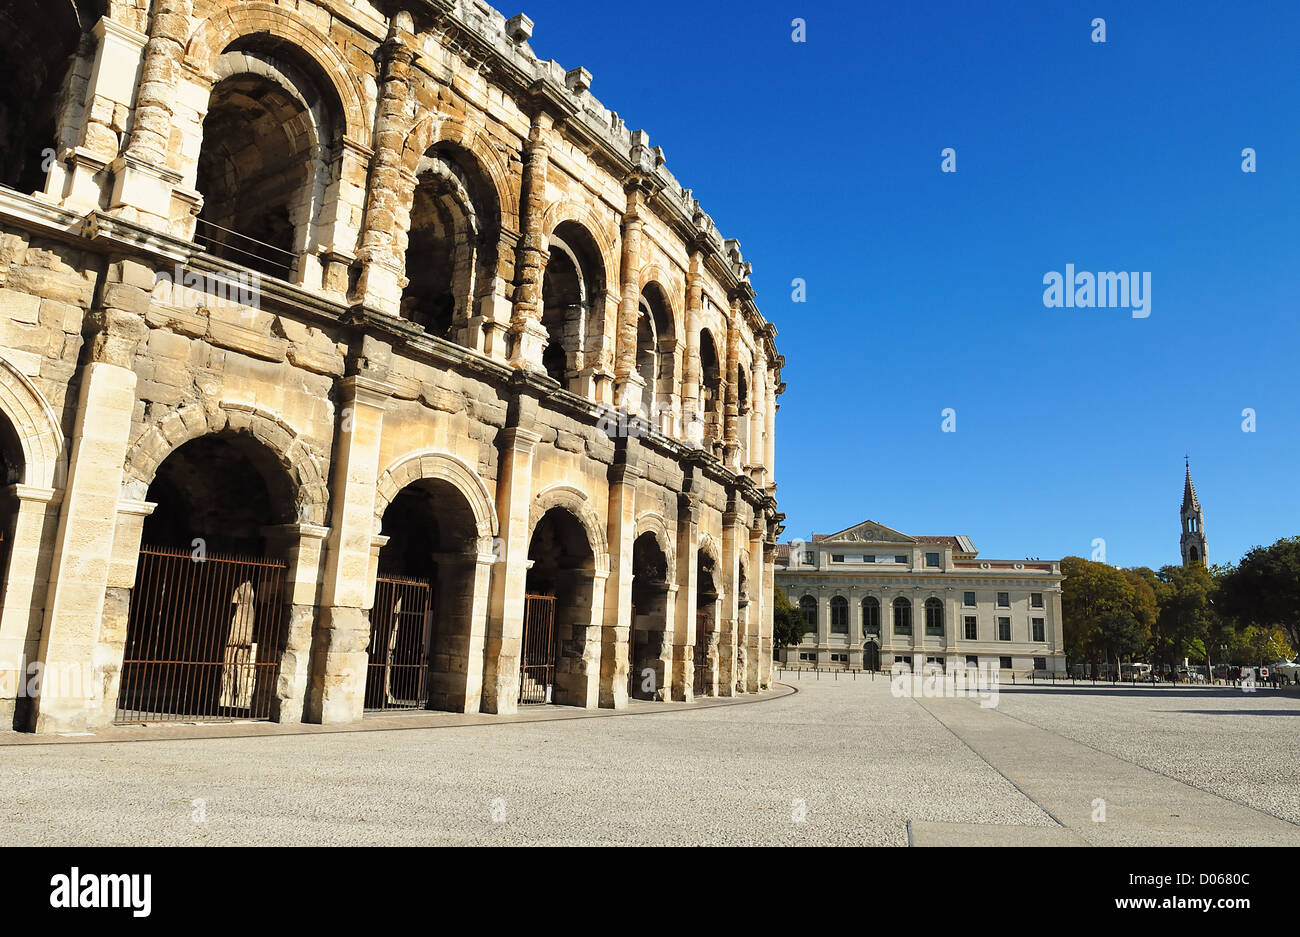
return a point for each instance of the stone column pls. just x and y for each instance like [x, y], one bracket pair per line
[527, 335]
[615, 656]
[734, 540]
[769, 585]
[142, 179]
[757, 454]
[688, 544]
[731, 412]
[338, 678]
[302, 547]
[769, 432]
[74, 606]
[692, 417]
[823, 626]
[628, 383]
[506, 619]
[577, 667]
[381, 281]
[759, 599]
[77, 177]
[35, 513]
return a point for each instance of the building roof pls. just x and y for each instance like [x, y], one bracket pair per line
[870, 531]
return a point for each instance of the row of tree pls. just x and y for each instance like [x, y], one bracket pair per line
[1243, 614]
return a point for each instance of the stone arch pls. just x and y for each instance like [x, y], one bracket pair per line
[652, 522]
[598, 228]
[709, 547]
[296, 457]
[576, 502]
[440, 466]
[436, 128]
[214, 35]
[45, 460]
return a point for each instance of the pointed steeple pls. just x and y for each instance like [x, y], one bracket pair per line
[1192, 543]
[1189, 491]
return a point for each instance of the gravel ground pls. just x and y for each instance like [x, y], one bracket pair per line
[1242, 746]
[860, 762]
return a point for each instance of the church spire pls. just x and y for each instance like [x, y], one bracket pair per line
[1192, 543]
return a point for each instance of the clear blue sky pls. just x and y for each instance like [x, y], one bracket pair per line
[925, 289]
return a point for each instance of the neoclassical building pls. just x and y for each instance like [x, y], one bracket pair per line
[355, 358]
[872, 596]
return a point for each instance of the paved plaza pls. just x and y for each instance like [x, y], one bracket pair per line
[833, 762]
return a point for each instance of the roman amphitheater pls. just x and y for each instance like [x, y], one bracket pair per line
[354, 358]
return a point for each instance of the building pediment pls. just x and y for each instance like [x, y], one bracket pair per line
[868, 532]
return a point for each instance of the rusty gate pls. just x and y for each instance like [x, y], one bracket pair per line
[701, 653]
[397, 671]
[203, 639]
[537, 653]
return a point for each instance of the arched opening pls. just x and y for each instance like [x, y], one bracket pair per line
[655, 354]
[902, 616]
[871, 655]
[933, 618]
[205, 632]
[808, 607]
[12, 466]
[269, 140]
[572, 286]
[742, 419]
[38, 40]
[646, 679]
[1194, 554]
[871, 616]
[706, 625]
[560, 587]
[839, 615]
[451, 253]
[422, 617]
[710, 391]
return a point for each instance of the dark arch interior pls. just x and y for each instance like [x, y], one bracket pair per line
[421, 617]
[562, 567]
[646, 639]
[37, 41]
[224, 488]
[571, 285]
[255, 170]
[710, 387]
[451, 247]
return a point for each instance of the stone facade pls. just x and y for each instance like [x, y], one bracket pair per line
[360, 287]
[873, 596]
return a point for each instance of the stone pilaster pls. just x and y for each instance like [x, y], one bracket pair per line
[759, 598]
[628, 383]
[769, 585]
[338, 680]
[74, 606]
[509, 586]
[734, 540]
[527, 335]
[688, 544]
[302, 546]
[692, 415]
[731, 412]
[381, 282]
[35, 518]
[615, 658]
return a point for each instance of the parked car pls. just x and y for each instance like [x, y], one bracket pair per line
[1190, 674]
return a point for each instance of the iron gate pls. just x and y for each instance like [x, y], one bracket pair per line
[701, 652]
[397, 671]
[203, 638]
[537, 655]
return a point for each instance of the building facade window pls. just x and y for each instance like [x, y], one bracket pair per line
[808, 605]
[901, 559]
[1004, 663]
[968, 599]
[1004, 600]
[972, 628]
[1004, 629]
[1036, 599]
[1040, 663]
[837, 557]
[839, 615]
[932, 560]
[933, 617]
[902, 616]
[972, 660]
[1039, 630]
[871, 615]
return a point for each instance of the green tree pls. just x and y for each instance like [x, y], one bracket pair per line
[1187, 616]
[1107, 612]
[788, 625]
[1264, 588]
